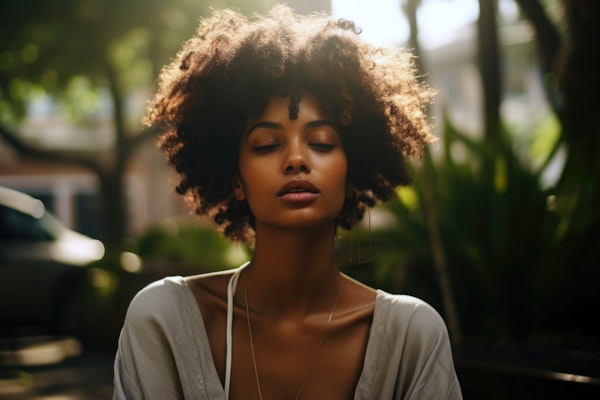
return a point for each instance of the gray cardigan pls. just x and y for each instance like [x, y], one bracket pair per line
[164, 351]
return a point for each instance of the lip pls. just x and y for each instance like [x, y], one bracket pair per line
[298, 191]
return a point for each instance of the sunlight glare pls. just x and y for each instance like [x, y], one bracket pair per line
[384, 24]
[381, 21]
[440, 21]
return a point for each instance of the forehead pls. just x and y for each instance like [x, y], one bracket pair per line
[291, 107]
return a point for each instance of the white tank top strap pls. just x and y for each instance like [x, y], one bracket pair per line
[231, 287]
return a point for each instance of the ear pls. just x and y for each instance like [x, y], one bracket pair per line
[238, 189]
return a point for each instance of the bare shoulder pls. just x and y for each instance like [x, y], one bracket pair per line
[358, 289]
[212, 283]
[210, 291]
[358, 300]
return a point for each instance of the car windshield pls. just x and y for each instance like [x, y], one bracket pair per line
[16, 226]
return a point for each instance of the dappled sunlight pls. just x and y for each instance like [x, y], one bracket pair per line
[78, 376]
[575, 378]
[76, 250]
[131, 262]
[235, 255]
[513, 223]
[38, 351]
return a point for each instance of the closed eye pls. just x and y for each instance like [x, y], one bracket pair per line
[267, 148]
[322, 147]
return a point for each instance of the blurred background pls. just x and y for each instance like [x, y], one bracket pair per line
[500, 231]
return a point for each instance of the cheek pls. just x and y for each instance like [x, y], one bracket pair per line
[253, 181]
[338, 173]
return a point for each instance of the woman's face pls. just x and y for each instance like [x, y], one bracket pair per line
[292, 172]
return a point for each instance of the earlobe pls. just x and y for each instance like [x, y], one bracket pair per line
[238, 190]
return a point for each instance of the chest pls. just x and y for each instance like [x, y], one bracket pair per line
[288, 361]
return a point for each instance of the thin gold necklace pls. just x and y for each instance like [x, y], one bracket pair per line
[312, 362]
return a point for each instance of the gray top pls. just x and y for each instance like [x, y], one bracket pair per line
[164, 351]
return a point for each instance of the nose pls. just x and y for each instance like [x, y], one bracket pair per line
[296, 161]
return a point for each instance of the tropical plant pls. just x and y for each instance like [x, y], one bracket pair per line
[496, 225]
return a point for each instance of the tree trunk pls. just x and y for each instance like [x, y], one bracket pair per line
[410, 8]
[548, 43]
[489, 66]
[580, 78]
[578, 191]
[112, 187]
[113, 211]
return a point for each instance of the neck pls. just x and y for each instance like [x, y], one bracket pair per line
[295, 270]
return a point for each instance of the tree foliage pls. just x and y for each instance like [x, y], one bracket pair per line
[515, 248]
[95, 46]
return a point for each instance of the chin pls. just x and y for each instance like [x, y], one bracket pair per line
[307, 222]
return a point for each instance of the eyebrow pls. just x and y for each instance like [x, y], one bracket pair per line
[275, 125]
[320, 122]
[264, 124]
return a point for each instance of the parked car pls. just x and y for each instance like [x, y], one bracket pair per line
[42, 267]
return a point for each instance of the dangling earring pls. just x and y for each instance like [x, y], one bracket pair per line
[360, 260]
[237, 210]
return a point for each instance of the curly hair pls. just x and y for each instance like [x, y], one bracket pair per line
[228, 71]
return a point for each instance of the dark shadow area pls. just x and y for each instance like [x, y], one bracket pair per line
[524, 373]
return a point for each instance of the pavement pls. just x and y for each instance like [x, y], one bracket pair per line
[57, 370]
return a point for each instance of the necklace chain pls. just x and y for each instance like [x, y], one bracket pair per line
[314, 358]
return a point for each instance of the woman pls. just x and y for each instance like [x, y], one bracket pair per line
[284, 128]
